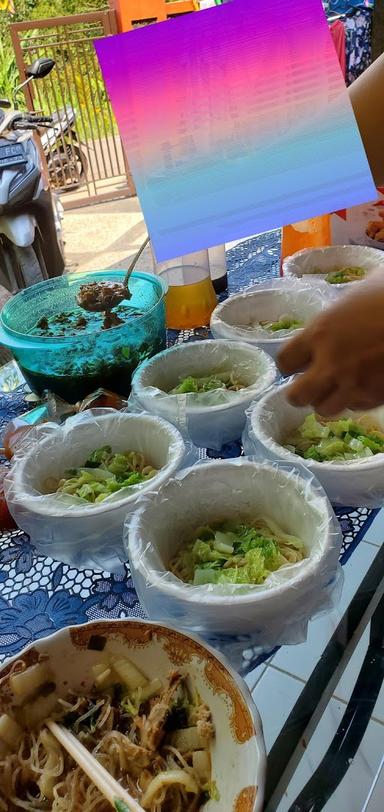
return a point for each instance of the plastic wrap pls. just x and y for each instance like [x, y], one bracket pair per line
[271, 419]
[238, 318]
[208, 419]
[233, 616]
[326, 260]
[66, 527]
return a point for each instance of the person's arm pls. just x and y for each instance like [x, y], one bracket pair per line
[341, 353]
[367, 97]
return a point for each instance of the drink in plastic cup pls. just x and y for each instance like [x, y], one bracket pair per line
[190, 299]
[312, 233]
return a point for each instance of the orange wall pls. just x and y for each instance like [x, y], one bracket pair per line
[129, 11]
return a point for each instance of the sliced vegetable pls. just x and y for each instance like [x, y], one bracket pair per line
[103, 474]
[149, 690]
[217, 380]
[345, 439]
[167, 779]
[201, 763]
[283, 323]
[26, 683]
[10, 732]
[104, 679]
[236, 554]
[35, 711]
[129, 675]
[344, 275]
[188, 740]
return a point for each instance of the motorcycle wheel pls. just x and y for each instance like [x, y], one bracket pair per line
[25, 265]
[67, 168]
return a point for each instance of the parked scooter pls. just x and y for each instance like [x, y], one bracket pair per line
[67, 164]
[31, 248]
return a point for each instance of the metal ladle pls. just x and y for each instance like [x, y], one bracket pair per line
[102, 297]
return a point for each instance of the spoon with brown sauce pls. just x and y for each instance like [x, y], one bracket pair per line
[102, 297]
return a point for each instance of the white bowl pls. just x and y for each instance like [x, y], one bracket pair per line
[209, 419]
[86, 535]
[303, 303]
[266, 615]
[303, 263]
[350, 482]
[238, 752]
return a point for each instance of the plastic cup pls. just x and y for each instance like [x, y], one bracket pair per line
[190, 299]
[199, 259]
[312, 233]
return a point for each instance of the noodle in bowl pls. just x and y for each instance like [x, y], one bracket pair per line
[236, 751]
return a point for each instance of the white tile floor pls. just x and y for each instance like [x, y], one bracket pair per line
[375, 533]
[375, 802]
[278, 684]
[352, 792]
[300, 660]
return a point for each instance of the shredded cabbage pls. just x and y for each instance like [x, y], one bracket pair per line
[345, 439]
[344, 275]
[284, 323]
[104, 473]
[219, 380]
[236, 554]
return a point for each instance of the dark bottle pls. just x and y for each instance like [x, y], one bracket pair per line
[218, 268]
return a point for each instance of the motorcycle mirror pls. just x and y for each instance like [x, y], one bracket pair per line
[40, 68]
[5, 103]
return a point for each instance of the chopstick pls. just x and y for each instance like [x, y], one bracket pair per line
[117, 796]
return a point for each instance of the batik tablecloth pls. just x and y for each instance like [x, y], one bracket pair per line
[39, 595]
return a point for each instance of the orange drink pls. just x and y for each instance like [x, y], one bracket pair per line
[190, 299]
[312, 233]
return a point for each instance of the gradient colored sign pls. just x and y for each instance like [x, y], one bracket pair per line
[235, 120]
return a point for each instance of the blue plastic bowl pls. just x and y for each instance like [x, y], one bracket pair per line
[73, 366]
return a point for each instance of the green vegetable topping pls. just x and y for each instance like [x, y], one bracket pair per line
[220, 380]
[284, 323]
[105, 473]
[120, 806]
[236, 554]
[345, 439]
[344, 275]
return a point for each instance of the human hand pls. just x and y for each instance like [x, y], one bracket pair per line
[341, 354]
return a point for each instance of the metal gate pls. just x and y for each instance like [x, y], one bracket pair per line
[86, 161]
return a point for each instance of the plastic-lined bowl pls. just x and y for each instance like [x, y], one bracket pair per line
[233, 319]
[349, 482]
[238, 750]
[208, 419]
[86, 535]
[312, 264]
[275, 612]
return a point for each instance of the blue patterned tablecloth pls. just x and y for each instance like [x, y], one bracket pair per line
[39, 595]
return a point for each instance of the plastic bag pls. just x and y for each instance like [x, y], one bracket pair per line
[304, 264]
[208, 419]
[234, 617]
[66, 527]
[239, 317]
[271, 419]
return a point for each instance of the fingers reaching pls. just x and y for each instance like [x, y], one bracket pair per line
[335, 403]
[311, 388]
[296, 355]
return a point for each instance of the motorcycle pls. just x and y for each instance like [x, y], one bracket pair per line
[66, 161]
[31, 247]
